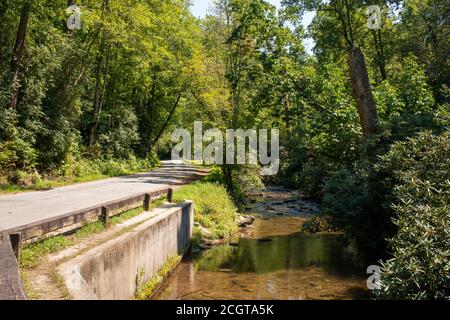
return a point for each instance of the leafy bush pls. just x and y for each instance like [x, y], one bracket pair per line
[16, 154]
[420, 268]
[358, 202]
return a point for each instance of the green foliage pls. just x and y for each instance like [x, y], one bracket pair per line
[103, 100]
[81, 170]
[244, 179]
[328, 133]
[405, 103]
[420, 267]
[145, 291]
[89, 229]
[31, 255]
[214, 209]
[424, 32]
[358, 199]
[92, 101]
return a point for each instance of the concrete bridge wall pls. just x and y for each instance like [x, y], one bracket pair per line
[116, 268]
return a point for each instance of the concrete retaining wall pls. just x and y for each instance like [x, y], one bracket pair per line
[116, 268]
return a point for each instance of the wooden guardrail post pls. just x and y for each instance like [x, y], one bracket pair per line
[105, 216]
[170, 195]
[16, 244]
[147, 201]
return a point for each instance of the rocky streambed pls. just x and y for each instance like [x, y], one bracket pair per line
[272, 259]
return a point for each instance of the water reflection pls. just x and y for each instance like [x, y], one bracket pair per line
[289, 267]
[297, 251]
[277, 262]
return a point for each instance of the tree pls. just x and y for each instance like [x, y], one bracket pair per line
[344, 13]
[424, 31]
[18, 52]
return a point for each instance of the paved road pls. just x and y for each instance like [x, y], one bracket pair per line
[21, 209]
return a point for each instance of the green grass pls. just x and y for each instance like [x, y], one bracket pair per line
[90, 229]
[214, 208]
[148, 289]
[127, 215]
[32, 254]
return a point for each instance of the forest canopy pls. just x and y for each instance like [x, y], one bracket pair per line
[104, 99]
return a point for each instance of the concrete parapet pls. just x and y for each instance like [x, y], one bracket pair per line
[115, 269]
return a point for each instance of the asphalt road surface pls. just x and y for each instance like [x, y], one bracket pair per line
[17, 210]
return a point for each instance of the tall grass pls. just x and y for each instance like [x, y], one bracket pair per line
[214, 208]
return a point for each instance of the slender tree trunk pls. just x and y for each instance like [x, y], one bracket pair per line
[383, 62]
[98, 111]
[287, 113]
[165, 123]
[228, 178]
[363, 92]
[150, 107]
[380, 54]
[96, 106]
[18, 52]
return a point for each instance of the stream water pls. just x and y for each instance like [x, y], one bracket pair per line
[272, 260]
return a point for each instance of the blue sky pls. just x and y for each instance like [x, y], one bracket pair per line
[200, 9]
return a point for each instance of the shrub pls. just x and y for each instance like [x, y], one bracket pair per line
[420, 267]
[24, 179]
[358, 199]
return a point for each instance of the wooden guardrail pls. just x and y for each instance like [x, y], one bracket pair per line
[71, 221]
[11, 241]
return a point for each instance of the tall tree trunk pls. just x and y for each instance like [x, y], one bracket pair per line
[380, 53]
[99, 102]
[150, 145]
[18, 52]
[383, 62]
[363, 92]
[228, 178]
[97, 94]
